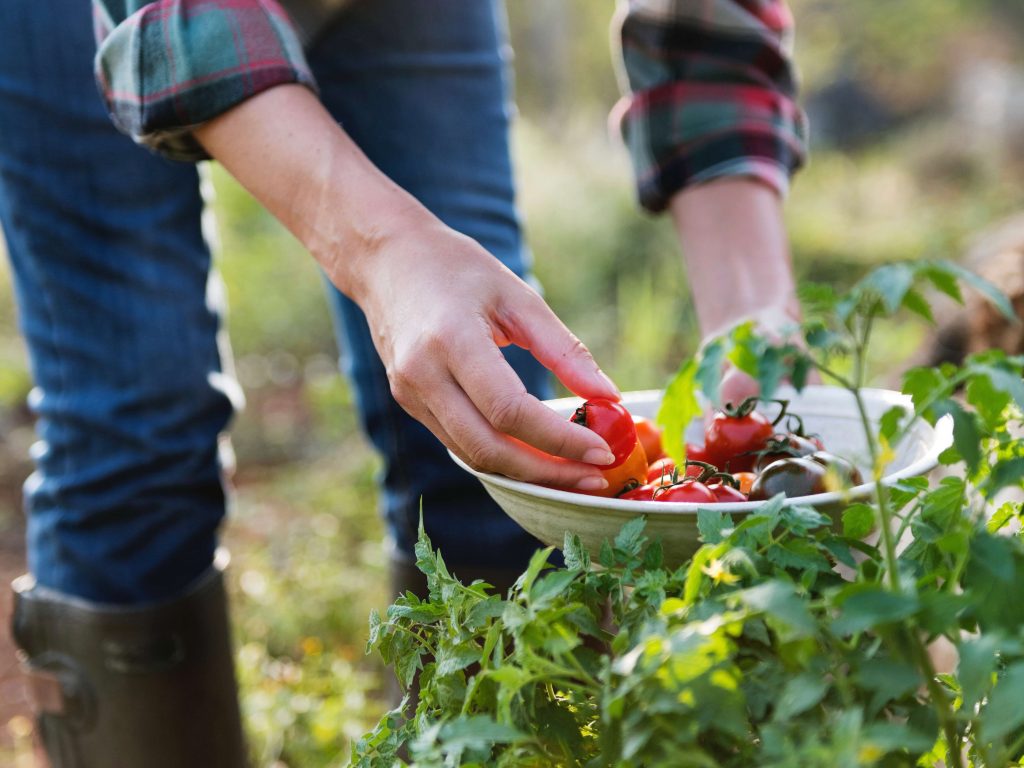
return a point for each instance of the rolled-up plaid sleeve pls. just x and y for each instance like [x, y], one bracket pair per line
[709, 91]
[166, 67]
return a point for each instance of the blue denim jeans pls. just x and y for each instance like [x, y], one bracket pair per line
[112, 277]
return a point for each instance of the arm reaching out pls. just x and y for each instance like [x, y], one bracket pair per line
[438, 304]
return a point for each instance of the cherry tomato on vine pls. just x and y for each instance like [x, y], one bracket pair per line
[640, 493]
[792, 477]
[839, 469]
[649, 435]
[724, 492]
[784, 446]
[732, 438]
[688, 490]
[661, 468]
[612, 422]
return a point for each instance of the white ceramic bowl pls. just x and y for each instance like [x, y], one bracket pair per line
[827, 411]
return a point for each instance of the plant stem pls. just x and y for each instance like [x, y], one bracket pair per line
[943, 708]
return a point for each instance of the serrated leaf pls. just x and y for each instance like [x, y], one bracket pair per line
[630, 536]
[924, 384]
[477, 732]
[574, 554]
[858, 521]
[713, 525]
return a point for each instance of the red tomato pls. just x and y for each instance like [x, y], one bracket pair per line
[729, 436]
[631, 472]
[725, 492]
[689, 490]
[696, 452]
[612, 422]
[660, 468]
[641, 493]
[649, 435]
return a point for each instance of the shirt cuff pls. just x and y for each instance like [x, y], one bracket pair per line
[172, 66]
[681, 134]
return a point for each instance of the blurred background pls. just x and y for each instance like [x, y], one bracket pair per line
[917, 122]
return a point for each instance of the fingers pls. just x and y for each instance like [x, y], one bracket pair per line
[737, 386]
[471, 437]
[531, 324]
[497, 393]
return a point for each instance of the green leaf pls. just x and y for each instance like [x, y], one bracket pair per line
[1004, 474]
[1004, 711]
[630, 537]
[977, 665]
[678, 408]
[781, 602]
[799, 694]
[889, 678]
[452, 658]
[918, 304]
[987, 400]
[574, 554]
[889, 283]
[714, 526]
[896, 737]
[924, 384]
[709, 370]
[996, 297]
[890, 422]
[966, 437]
[551, 586]
[942, 279]
[864, 606]
[858, 521]
[538, 562]
[477, 732]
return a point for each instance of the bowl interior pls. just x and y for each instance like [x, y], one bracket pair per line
[829, 412]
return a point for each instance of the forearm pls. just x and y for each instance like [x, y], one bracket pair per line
[736, 252]
[284, 147]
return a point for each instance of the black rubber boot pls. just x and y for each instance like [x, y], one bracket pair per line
[149, 686]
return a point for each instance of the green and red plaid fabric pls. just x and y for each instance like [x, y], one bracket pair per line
[709, 92]
[164, 67]
[709, 84]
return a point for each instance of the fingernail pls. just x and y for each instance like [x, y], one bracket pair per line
[592, 483]
[609, 382]
[598, 456]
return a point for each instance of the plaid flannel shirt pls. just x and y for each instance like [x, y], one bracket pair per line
[708, 84]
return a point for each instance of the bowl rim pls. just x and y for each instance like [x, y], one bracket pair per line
[943, 431]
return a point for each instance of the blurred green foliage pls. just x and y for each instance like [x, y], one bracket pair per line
[308, 564]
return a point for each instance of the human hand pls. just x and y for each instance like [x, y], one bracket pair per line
[440, 307]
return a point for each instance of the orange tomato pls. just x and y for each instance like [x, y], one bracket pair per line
[745, 479]
[649, 434]
[633, 471]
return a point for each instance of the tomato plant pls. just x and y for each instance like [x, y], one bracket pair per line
[759, 650]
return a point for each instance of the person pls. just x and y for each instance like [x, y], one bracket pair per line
[382, 143]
